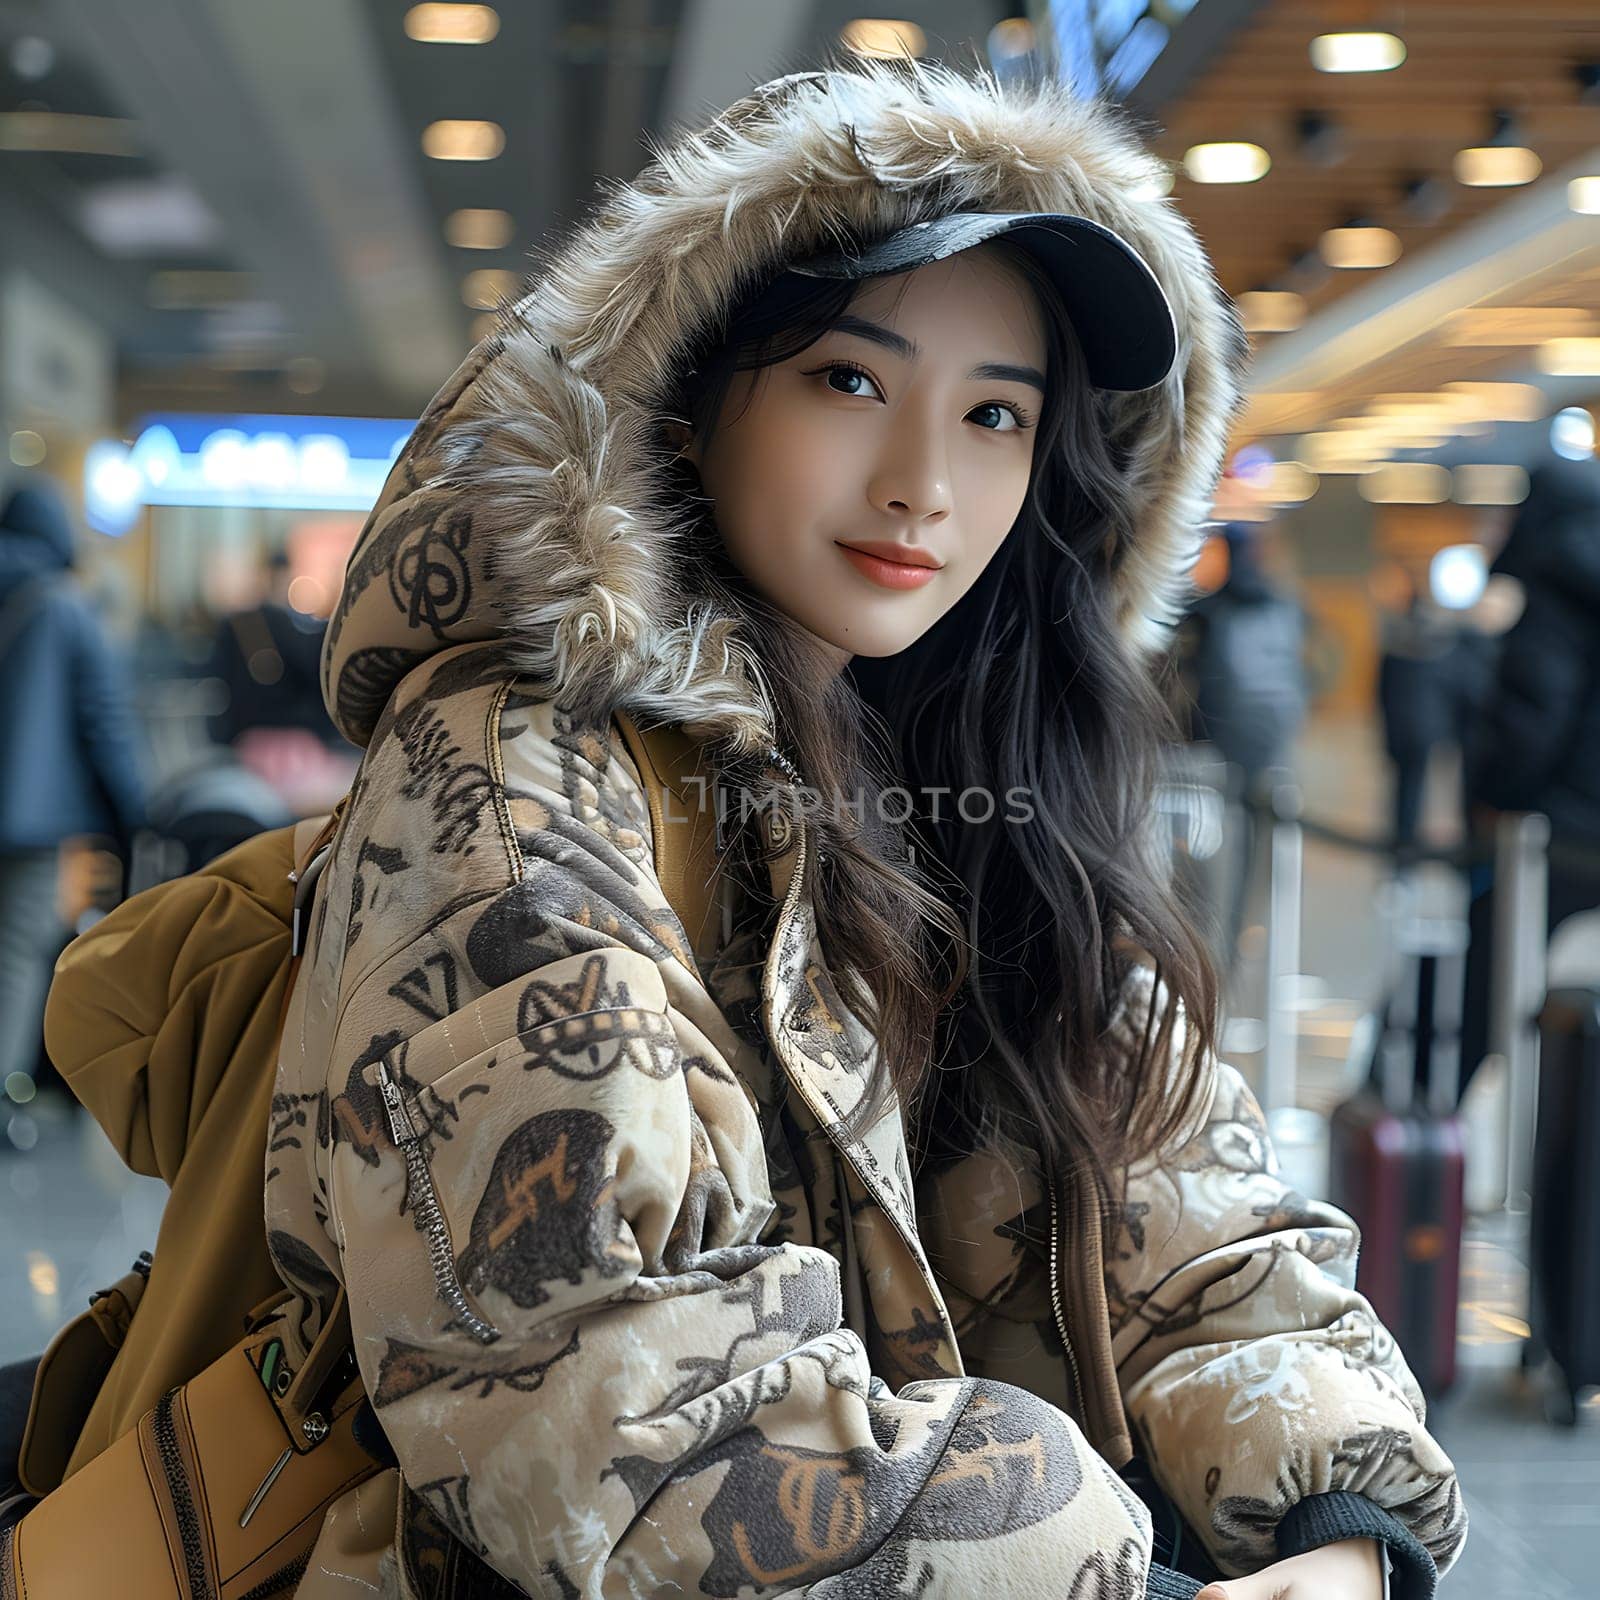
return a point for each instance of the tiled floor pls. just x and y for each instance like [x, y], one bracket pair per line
[71, 1219]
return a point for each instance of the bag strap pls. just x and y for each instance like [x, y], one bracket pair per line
[683, 821]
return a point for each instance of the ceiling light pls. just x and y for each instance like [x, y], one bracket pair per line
[304, 374]
[1011, 38]
[1226, 163]
[1503, 402]
[1572, 433]
[883, 39]
[1271, 311]
[487, 289]
[1156, 186]
[1359, 247]
[452, 24]
[471, 229]
[1290, 484]
[1569, 358]
[1483, 484]
[1407, 483]
[463, 141]
[68, 133]
[28, 448]
[1514, 325]
[1357, 52]
[1457, 576]
[32, 58]
[1583, 196]
[132, 217]
[1497, 166]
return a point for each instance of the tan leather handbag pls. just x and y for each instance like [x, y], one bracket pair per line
[217, 1494]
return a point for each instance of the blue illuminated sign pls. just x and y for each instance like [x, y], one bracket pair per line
[264, 462]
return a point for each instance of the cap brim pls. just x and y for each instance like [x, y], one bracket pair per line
[1119, 312]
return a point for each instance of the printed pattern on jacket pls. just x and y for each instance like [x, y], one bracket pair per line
[540, 1174]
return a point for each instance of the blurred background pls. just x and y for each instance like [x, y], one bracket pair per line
[243, 243]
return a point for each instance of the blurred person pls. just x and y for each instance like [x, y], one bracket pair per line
[1433, 675]
[1536, 744]
[268, 658]
[1241, 652]
[68, 763]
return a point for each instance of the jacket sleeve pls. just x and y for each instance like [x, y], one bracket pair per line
[590, 1366]
[1256, 1376]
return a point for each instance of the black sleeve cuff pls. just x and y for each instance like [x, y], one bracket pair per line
[1327, 1518]
[1165, 1584]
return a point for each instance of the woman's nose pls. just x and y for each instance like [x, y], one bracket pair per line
[912, 481]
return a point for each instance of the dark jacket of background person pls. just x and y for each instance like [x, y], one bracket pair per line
[67, 755]
[1245, 651]
[1537, 746]
[269, 658]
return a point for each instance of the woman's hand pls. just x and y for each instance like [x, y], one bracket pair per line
[1349, 1570]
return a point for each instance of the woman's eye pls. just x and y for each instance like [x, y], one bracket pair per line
[840, 377]
[1007, 420]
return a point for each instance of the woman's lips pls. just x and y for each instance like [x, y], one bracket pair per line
[888, 574]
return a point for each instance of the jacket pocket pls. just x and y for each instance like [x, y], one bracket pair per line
[509, 1154]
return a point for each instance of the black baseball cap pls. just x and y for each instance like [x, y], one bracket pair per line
[1119, 312]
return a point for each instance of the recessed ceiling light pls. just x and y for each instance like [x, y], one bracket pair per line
[1497, 166]
[1271, 311]
[471, 229]
[1583, 196]
[1290, 484]
[883, 39]
[1226, 163]
[1488, 484]
[452, 24]
[1503, 402]
[486, 289]
[463, 141]
[1359, 247]
[1569, 358]
[1357, 52]
[1407, 483]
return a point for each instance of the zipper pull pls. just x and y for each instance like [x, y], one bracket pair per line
[266, 1483]
[401, 1128]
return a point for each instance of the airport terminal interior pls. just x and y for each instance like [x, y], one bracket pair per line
[243, 243]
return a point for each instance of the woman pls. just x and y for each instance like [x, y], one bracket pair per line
[845, 1241]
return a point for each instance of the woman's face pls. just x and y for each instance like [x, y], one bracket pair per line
[906, 432]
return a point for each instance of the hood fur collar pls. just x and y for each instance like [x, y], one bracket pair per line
[528, 503]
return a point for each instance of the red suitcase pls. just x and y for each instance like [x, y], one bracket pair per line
[1398, 1157]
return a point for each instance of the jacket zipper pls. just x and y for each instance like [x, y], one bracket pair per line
[280, 1581]
[425, 1211]
[164, 1430]
[1059, 1309]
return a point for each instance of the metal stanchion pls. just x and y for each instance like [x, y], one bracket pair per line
[1517, 984]
[1280, 1065]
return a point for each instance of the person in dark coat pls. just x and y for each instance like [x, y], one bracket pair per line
[1537, 743]
[68, 765]
[1242, 652]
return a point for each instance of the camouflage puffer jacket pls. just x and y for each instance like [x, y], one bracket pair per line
[637, 1316]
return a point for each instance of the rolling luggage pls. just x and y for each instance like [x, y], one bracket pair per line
[1398, 1155]
[1565, 1258]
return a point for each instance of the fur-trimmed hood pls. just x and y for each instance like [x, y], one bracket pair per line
[529, 503]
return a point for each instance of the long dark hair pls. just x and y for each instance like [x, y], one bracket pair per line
[989, 955]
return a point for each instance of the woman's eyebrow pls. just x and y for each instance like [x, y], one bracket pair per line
[910, 350]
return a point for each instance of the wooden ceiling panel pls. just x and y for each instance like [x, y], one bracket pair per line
[1466, 59]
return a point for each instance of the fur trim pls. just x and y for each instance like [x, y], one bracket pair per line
[551, 442]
